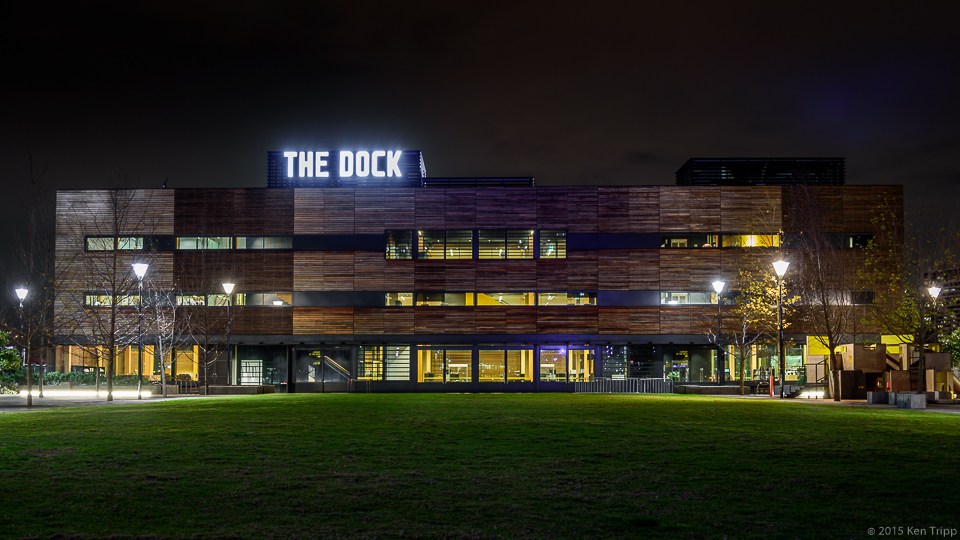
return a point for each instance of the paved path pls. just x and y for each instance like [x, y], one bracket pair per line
[931, 407]
[14, 403]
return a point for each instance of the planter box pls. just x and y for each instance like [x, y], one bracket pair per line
[911, 401]
[878, 398]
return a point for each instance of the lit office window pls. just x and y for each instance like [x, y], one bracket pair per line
[398, 299]
[859, 241]
[445, 365]
[399, 244]
[553, 244]
[384, 363]
[430, 244]
[445, 299]
[697, 298]
[264, 242]
[567, 299]
[492, 366]
[683, 241]
[218, 300]
[507, 299]
[105, 300]
[459, 245]
[191, 300]
[580, 365]
[519, 365]
[204, 242]
[553, 364]
[264, 299]
[370, 363]
[126, 243]
[751, 240]
[519, 244]
[492, 244]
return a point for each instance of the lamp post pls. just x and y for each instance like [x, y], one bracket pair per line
[140, 269]
[721, 357]
[22, 294]
[780, 267]
[228, 288]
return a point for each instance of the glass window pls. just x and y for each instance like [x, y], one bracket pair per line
[553, 244]
[861, 298]
[519, 244]
[264, 242]
[581, 364]
[219, 300]
[519, 365]
[398, 299]
[459, 245]
[370, 363]
[431, 365]
[264, 299]
[506, 299]
[553, 364]
[615, 361]
[492, 244]
[399, 244]
[751, 240]
[204, 242]
[397, 361]
[430, 244]
[191, 300]
[126, 243]
[98, 300]
[567, 299]
[680, 241]
[492, 366]
[688, 297]
[445, 299]
[445, 365]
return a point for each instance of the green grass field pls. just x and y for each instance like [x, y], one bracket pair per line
[476, 466]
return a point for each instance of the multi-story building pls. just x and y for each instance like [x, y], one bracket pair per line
[400, 282]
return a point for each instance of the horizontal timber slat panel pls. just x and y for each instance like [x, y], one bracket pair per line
[750, 210]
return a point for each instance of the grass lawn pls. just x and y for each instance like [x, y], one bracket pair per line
[477, 466]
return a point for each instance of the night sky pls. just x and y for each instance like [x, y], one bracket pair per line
[584, 93]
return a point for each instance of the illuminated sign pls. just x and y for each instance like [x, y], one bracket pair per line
[345, 168]
[360, 164]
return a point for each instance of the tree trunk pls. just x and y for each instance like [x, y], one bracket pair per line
[742, 392]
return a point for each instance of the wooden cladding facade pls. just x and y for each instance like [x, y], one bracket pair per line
[582, 210]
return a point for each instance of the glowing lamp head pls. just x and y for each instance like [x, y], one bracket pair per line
[780, 267]
[934, 292]
[140, 269]
[228, 288]
[21, 294]
[718, 286]
[278, 302]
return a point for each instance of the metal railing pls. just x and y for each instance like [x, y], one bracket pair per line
[604, 385]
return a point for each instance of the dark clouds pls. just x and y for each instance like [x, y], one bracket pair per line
[595, 92]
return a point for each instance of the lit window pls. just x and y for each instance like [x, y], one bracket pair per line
[459, 245]
[191, 300]
[264, 242]
[492, 244]
[507, 299]
[264, 299]
[859, 241]
[689, 241]
[430, 244]
[553, 244]
[105, 300]
[204, 242]
[567, 299]
[445, 299]
[519, 244]
[399, 244]
[218, 300]
[398, 299]
[126, 243]
[688, 297]
[751, 240]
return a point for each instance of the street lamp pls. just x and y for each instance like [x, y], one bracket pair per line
[228, 288]
[721, 360]
[140, 269]
[22, 294]
[780, 267]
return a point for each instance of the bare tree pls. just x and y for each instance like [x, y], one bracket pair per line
[166, 324]
[819, 277]
[100, 235]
